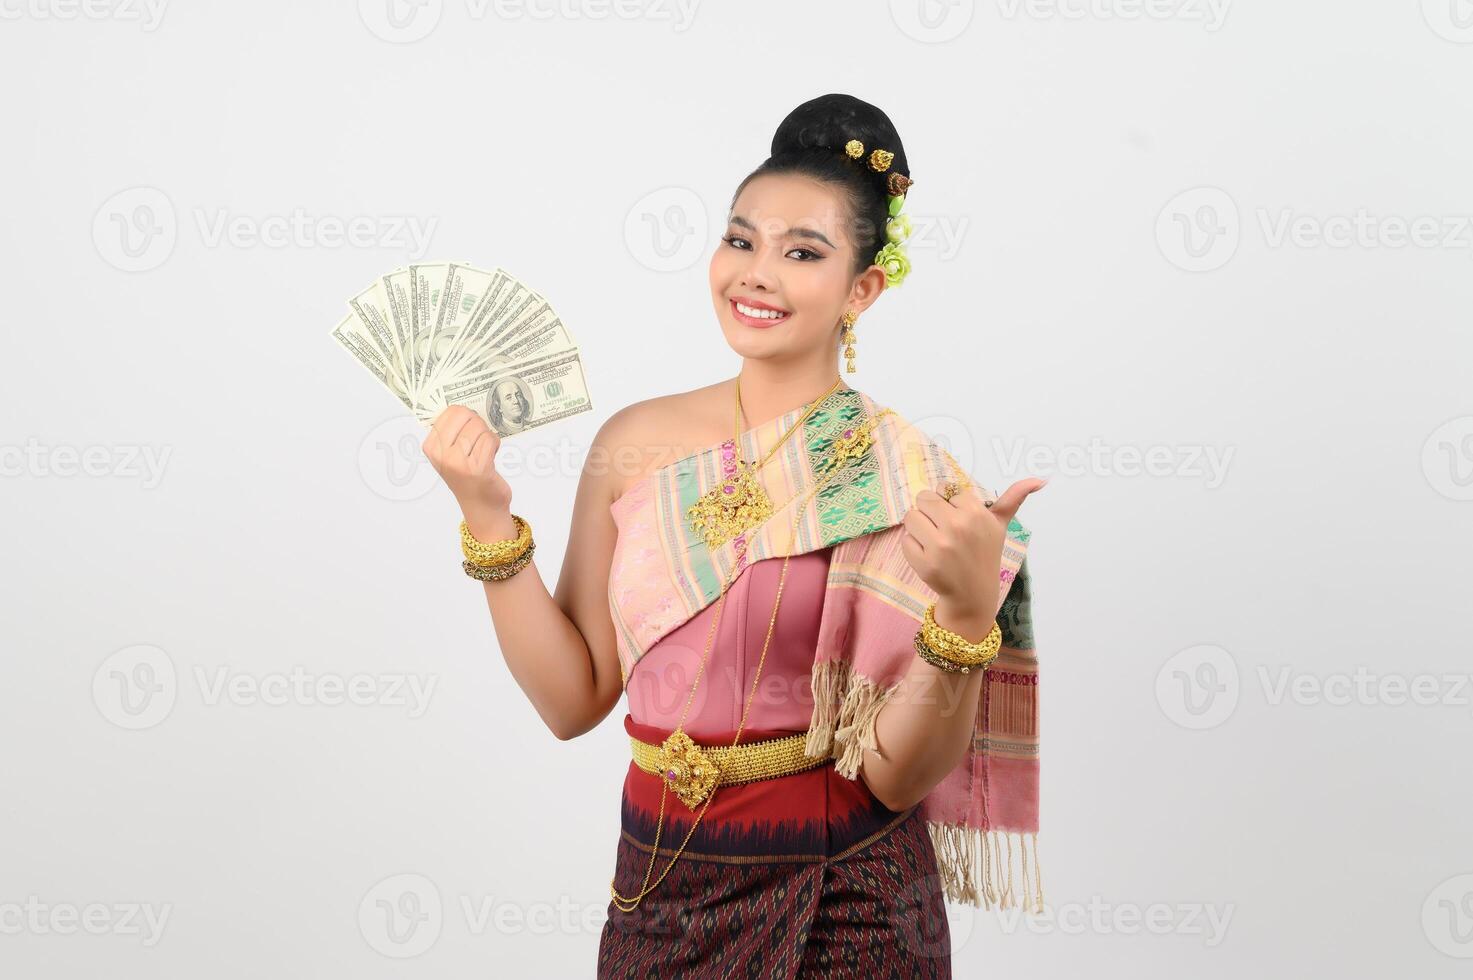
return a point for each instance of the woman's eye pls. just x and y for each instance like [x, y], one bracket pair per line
[804, 254]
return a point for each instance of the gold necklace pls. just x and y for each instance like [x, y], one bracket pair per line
[678, 753]
[739, 502]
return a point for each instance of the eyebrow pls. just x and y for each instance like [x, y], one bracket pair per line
[737, 219]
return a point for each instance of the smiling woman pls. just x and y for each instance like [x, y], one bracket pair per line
[820, 622]
[815, 219]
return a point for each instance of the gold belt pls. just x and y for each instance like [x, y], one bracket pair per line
[693, 771]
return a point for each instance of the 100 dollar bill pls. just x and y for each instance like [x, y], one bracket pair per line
[519, 395]
[351, 334]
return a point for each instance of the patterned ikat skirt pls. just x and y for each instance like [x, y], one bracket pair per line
[805, 875]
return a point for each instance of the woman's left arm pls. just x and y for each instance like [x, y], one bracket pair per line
[926, 725]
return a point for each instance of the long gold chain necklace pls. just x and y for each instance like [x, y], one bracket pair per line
[680, 759]
[739, 502]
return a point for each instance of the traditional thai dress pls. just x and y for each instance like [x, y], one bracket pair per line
[807, 874]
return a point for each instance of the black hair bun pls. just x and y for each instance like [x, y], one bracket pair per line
[829, 122]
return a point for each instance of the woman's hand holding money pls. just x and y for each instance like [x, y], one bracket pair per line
[462, 449]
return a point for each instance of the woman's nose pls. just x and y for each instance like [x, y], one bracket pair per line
[758, 273]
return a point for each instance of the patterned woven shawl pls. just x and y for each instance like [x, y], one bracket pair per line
[663, 573]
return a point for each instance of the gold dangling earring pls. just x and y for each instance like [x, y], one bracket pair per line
[848, 338]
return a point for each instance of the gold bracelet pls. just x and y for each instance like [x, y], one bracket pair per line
[502, 572]
[952, 646]
[937, 660]
[489, 553]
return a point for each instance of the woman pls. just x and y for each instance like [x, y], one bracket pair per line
[805, 790]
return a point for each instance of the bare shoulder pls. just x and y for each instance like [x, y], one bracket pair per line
[646, 435]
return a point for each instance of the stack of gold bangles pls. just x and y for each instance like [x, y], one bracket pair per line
[940, 647]
[496, 560]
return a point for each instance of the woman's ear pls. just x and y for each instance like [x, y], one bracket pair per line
[867, 288]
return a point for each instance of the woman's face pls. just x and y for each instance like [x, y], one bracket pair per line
[787, 249]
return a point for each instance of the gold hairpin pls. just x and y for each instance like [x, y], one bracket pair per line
[879, 161]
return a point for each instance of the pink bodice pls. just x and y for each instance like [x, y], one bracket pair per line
[661, 681]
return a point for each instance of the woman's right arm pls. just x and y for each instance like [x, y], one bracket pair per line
[559, 647]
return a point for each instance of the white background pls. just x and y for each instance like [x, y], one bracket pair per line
[1160, 228]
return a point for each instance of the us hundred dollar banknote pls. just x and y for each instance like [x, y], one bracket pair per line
[436, 334]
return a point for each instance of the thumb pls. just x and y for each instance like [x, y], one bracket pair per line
[1007, 504]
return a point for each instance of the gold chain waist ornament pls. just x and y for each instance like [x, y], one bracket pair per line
[739, 502]
[693, 765]
[694, 772]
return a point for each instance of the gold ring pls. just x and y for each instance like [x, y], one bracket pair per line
[949, 490]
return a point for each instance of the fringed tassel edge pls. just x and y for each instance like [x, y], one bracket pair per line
[976, 867]
[845, 709]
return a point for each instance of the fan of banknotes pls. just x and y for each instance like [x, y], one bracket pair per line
[444, 333]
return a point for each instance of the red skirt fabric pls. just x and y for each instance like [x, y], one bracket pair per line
[805, 875]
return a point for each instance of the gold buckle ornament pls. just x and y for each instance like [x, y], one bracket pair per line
[686, 769]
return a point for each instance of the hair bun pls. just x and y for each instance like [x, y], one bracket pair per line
[829, 122]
